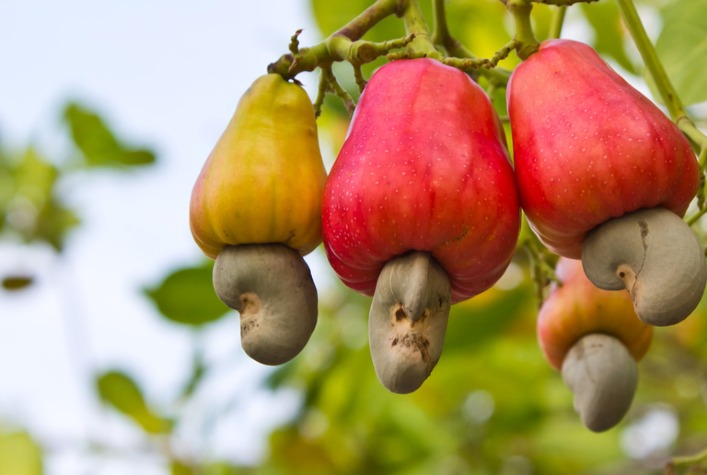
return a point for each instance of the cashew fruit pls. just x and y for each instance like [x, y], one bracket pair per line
[256, 209]
[425, 168]
[420, 209]
[576, 307]
[589, 147]
[594, 337]
[271, 287]
[263, 181]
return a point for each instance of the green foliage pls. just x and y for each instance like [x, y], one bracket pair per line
[99, 146]
[31, 208]
[682, 47]
[187, 296]
[122, 393]
[20, 454]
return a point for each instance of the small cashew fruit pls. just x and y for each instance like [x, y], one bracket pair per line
[575, 307]
[270, 285]
[603, 376]
[654, 255]
[594, 338]
[408, 320]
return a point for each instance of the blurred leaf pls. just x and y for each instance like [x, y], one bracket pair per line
[187, 296]
[20, 455]
[17, 282]
[331, 16]
[682, 48]
[479, 321]
[605, 19]
[197, 373]
[99, 146]
[123, 394]
[30, 206]
[177, 467]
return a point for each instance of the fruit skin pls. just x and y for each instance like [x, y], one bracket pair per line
[263, 181]
[425, 168]
[577, 308]
[589, 147]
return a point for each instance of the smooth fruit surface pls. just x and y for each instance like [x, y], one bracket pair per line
[424, 168]
[263, 181]
[589, 147]
[578, 308]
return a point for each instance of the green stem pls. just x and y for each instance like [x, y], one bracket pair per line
[526, 42]
[651, 60]
[558, 19]
[308, 59]
[415, 24]
[667, 92]
[440, 30]
[687, 459]
[442, 37]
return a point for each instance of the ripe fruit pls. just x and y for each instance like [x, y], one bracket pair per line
[424, 168]
[262, 182]
[590, 149]
[594, 337]
[256, 208]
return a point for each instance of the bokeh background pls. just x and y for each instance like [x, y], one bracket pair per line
[117, 358]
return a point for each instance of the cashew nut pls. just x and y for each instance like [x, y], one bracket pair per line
[603, 376]
[653, 254]
[408, 320]
[270, 285]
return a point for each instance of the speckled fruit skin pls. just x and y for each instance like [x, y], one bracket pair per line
[578, 308]
[424, 167]
[263, 181]
[589, 147]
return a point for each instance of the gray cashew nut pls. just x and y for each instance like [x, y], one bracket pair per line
[408, 320]
[654, 255]
[270, 285]
[602, 374]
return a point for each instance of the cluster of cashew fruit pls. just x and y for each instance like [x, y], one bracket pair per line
[422, 210]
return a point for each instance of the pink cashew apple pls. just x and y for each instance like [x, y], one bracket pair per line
[604, 175]
[422, 176]
[594, 337]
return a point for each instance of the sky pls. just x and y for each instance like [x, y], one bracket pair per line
[167, 75]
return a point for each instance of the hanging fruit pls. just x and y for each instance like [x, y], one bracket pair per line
[594, 337]
[256, 208]
[604, 175]
[420, 209]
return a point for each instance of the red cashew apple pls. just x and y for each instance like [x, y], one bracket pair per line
[595, 339]
[422, 183]
[604, 175]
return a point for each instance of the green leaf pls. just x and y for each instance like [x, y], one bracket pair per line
[99, 146]
[20, 455]
[682, 48]
[121, 392]
[187, 296]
